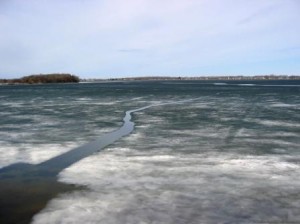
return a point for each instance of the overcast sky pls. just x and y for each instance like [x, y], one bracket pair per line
[116, 38]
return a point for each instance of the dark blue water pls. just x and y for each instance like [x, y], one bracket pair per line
[229, 156]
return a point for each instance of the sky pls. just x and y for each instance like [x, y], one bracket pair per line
[127, 38]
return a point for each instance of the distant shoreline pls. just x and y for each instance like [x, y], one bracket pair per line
[68, 78]
[202, 78]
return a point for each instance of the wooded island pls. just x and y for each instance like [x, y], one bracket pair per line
[43, 78]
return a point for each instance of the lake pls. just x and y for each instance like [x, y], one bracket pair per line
[199, 152]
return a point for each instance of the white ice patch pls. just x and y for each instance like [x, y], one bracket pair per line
[13, 104]
[267, 141]
[272, 123]
[127, 186]
[84, 99]
[246, 84]
[32, 153]
[220, 84]
[243, 132]
[101, 103]
[284, 105]
[207, 132]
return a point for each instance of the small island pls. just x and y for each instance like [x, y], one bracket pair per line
[43, 78]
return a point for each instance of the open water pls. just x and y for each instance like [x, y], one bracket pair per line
[202, 152]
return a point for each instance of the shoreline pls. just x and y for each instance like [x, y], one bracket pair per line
[199, 78]
[163, 78]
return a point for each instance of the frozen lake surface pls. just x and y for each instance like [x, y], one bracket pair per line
[227, 153]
